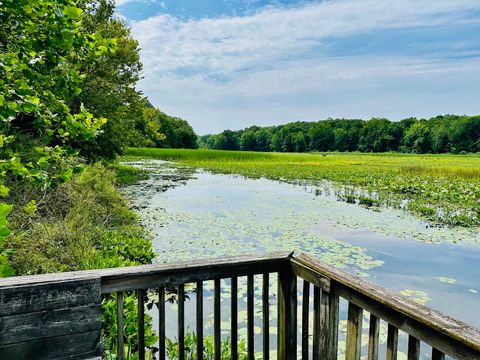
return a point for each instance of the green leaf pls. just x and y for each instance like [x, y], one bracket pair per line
[72, 12]
[4, 211]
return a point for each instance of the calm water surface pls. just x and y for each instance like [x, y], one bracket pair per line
[196, 214]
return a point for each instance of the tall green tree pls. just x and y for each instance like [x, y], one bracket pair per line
[43, 50]
[109, 87]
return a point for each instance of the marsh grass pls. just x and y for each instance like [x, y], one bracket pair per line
[449, 184]
[458, 172]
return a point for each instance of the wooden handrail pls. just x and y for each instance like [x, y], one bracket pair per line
[438, 330]
[56, 301]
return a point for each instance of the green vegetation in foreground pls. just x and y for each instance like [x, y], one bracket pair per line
[81, 225]
[441, 188]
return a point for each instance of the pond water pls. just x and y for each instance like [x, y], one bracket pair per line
[196, 214]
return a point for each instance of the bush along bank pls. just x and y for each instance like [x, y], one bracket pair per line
[84, 224]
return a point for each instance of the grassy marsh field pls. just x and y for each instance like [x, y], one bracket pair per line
[445, 189]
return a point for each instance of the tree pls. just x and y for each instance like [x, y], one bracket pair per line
[321, 137]
[417, 138]
[109, 87]
[248, 141]
[43, 49]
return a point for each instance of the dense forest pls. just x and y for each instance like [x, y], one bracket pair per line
[441, 134]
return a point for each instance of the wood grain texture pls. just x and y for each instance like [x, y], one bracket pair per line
[324, 323]
[120, 326]
[373, 337]
[24, 298]
[82, 345]
[333, 324]
[48, 323]
[413, 348]
[392, 342]
[287, 314]
[354, 332]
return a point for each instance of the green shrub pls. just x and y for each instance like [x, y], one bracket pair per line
[83, 224]
[208, 348]
[130, 329]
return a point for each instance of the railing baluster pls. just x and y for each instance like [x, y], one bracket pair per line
[161, 323]
[354, 332]
[324, 322]
[392, 342]
[287, 315]
[373, 336]
[250, 318]
[234, 316]
[305, 315]
[333, 324]
[199, 319]
[141, 323]
[216, 320]
[316, 323]
[181, 322]
[266, 318]
[120, 325]
[413, 348]
[437, 354]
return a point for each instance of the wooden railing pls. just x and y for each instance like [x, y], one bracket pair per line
[67, 306]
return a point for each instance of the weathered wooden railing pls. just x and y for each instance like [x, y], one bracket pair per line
[58, 316]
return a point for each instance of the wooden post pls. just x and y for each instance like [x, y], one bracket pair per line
[266, 318]
[199, 319]
[305, 315]
[141, 323]
[234, 318]
[217, 331]
[373, 337]
[413, 348]
[120, 325]
[317, 293]
[354, 332]
[392, 342]
[161, 323]
[181, 322]
[325, 332]
[333, 315]
[250, 319]
[287, 314]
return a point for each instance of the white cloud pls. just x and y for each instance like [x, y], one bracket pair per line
[270, 66]
[123, 2]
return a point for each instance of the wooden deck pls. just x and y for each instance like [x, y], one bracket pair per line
[58, 316]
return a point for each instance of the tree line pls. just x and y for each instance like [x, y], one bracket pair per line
[440, 134]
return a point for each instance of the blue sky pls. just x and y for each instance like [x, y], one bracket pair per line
[234, 63]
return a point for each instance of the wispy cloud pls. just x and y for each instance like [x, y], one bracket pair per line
[279, 57]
